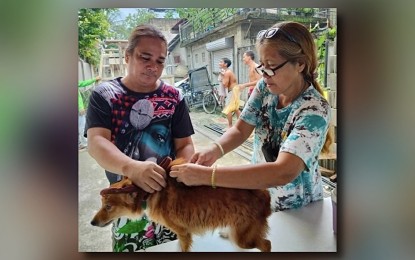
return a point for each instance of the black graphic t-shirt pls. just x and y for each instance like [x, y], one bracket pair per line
[143, 125]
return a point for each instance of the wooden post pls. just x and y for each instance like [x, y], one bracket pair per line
[101, 62]
[120, 59]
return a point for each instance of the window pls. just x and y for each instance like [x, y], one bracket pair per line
[196, 58]
[203, 57]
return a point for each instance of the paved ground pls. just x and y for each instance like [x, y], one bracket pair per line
[92, 180]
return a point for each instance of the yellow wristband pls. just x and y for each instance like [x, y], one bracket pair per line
[212, 178]
[220, 148]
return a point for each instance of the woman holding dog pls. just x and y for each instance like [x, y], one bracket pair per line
[290, 118]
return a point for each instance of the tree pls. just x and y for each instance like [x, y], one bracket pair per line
[302, 11]
[205, 19]
[117, 29]
[187, 13]
[142, 15]
[93, 28]
[169, 14]
[121, 29]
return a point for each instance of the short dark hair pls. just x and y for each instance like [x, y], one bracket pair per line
[141, 31]
[227, 61]
[250, 54]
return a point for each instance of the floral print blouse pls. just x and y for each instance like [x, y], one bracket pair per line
[300, 129]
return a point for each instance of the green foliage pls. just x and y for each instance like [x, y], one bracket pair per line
[117, 29]
[332, 33]
[169, 14]
[205, 19]
[142, 15]
[92, 30]
[187, 13]
[121, 29]
[305, 11]
[320, 40]
[321, 52]
[308, 10]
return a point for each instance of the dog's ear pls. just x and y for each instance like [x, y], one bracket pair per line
[119, 184]
[123, 186]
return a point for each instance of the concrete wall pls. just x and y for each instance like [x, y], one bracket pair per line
[332, 87]
[178, 70]
[165, 26]
[85, 70]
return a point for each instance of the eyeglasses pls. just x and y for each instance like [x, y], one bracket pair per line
[269, 72]
[273, 31]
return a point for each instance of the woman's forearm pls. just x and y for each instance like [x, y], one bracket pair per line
[259, 176]
[263, 175]
[235, 136]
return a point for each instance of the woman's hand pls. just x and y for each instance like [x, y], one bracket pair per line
[207, 156]
[191, 174]
[147, 175]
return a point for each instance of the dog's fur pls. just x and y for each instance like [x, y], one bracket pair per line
[193, 210]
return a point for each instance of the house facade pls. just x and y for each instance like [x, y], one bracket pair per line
[228, 33]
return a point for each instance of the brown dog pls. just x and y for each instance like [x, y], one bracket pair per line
[192, 210]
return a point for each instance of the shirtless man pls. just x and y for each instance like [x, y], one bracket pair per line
[230, 83]
[249, 59]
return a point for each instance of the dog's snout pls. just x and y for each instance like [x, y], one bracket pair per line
[93, 222]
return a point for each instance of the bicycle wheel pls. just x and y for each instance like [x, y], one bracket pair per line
[209, 103]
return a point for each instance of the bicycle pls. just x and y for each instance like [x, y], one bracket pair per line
[198, 90]
[211, 99]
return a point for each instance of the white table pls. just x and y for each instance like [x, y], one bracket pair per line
[309, 229]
